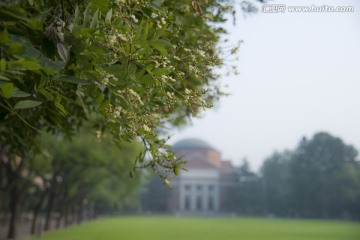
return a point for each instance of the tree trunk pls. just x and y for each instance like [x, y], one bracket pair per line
[14, 211]
[13, 186]
[80, 213]
[66, 217]
[49, 211]
[36, 213]
[58, 221]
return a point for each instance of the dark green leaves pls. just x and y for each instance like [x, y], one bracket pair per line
[2, 64]
[26, 63]
[4, 37]
[108, 16]
[95, 21]
[136, 66]
[19, 94]
[63, 51]
[157, 7]
[27, 104]
[7, 90]
[16, 49]
[71, 79]
[162, 46]
[161, 71]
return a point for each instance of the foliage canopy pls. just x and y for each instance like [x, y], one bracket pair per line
[131, 67]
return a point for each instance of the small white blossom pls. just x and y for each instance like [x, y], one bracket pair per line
[134, 18]
[112, 39]
[163, 21]
[201, 53]
[146, 128]
[123, 37]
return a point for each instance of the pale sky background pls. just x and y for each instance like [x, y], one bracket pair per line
[299, 74]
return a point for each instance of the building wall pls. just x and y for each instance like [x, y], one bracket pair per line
[199, 190]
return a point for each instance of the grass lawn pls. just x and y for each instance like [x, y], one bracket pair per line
[171, 228]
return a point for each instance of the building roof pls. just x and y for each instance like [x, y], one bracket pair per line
[199, 164]
[192, 143]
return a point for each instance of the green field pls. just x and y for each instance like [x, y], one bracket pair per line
[168, 228]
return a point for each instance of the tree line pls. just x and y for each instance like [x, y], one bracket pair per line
[320, 178]
[70, 181]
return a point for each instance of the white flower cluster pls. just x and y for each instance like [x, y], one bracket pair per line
[160, 22]
[134, 18]
[166, 78]
[195, 71]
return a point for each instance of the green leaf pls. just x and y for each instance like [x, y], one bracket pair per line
[176, 170]
[115, 69]
[3, 65]
[7, 90]
[71, 79]
[102, 5]
[138, 31]
[165, 43]
[104, 105]
[158, 34]
[34, 23]
[27, 104]
[26, 63]
[160, 47]
[4, 37]
[4, 78]
[87, 32]
[95, 21]
[17, 49]
[146, 31]
[99, 98]
[139, 74]
[63, 51]
[19, 94]
[148, 78]
[77, 17]
[108, 16]
[86, 16]
[161, 71]
[13, 13]
[60, 107]
[157, 7]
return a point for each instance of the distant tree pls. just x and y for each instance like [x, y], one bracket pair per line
[154, 196]
[249, 192]
[324, 177]
[275, 175]
[88, 170]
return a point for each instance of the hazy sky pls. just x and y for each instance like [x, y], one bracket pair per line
[299, 74]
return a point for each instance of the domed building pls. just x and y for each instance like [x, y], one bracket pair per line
[206, 186]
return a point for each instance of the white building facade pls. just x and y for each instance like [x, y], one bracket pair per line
[204, 187]
[199, 190]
